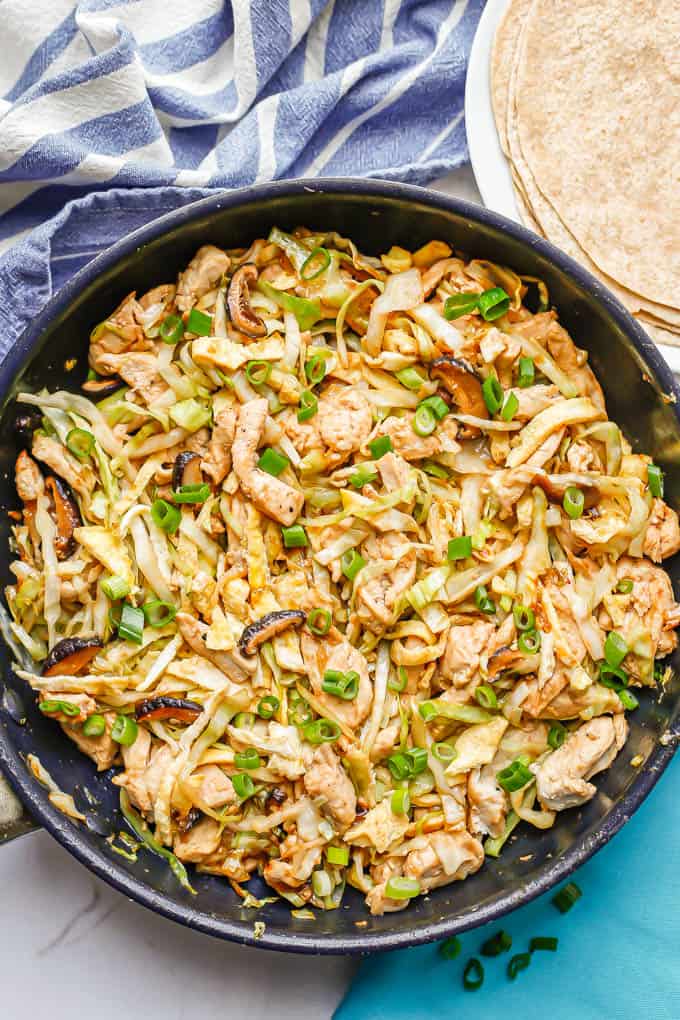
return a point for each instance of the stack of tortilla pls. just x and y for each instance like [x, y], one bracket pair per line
[586, 96]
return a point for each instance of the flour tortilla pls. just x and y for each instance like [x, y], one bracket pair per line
[502, 60]
[598, 125]
[536, 211]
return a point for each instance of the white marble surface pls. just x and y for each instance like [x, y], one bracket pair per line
[71, 946]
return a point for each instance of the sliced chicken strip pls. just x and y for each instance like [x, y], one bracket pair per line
[233, 664]
[28, 479]
[327, 779]
[663, 532]
[217, 461]
[204, 271]
[270, 495]
[561, 780]
[50, 451]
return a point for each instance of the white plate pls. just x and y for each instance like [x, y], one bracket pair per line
[489, 164]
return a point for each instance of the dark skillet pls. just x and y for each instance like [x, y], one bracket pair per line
[637, 385]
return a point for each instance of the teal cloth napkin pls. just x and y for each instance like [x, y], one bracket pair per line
[618, 956]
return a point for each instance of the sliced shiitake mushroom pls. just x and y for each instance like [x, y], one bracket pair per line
[512, 660]
[100, 388]
[178, 709]
[264, 629]
[186, 470]
[66, 514]
[71, 656]
[461, 381]
[238, 301]
[25, 424]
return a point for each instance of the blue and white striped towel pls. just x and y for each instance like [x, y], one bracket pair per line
[211, 94]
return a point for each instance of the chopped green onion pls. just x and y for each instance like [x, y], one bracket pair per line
[243, 720]
[437, 405]
[625, 586]
[380, 446]
[613, 677]
[317, 262]
[547, 942]
[272, 462]
[400, 683]
[450, 948]
[567, 897]
[338, 855]
[294, 537]
[524, 618]
[50, 706]
[510, 407]
[341, 685]
[244, 787]
[460, 304]
[557, 734]
[399, 766]
[424, 421]
[115, 587]
[443, 752]
[248, 759]
[321, 731]
[482, 600]
[398, 887]
[158, 613]
[517, 964]
[628, 700]
[268, 706]
[492, 391]
[131, 624]
[364, 474]
[515, 776]
[473, 975]
[573, 502]
[497, 944]
[94, 726]
[655, 480]
[196, 492]
[124, 730]
[529, 642]
[171, 329]
[166, 516]
[417, 760]
[319, 621]
[493, 303]
[459, 548]
[351, 563]
[199, 323]
[400, 802]
[527, 373]
[308, 407]
[486, 696]
[80, 443]
[315, 368]
[258, 372]
[409, 378]
[615, 649]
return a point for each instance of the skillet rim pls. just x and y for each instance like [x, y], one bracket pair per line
[34, 797]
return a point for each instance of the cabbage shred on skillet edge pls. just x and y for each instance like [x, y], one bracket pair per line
[341, 565]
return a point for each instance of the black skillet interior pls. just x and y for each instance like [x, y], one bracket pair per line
[375, 216]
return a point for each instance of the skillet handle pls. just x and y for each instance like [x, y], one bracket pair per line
[14, 819]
